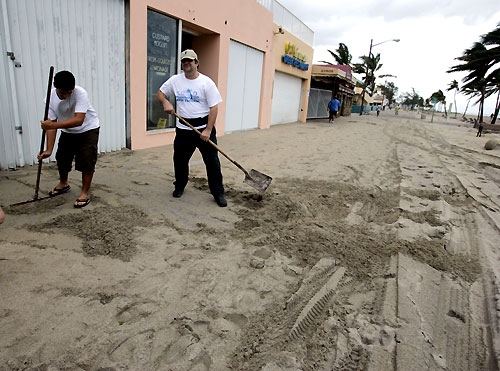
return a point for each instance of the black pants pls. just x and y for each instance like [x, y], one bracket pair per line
[185, 143]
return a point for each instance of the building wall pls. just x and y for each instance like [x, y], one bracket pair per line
[118, 82]
[221, 23]
[84, 37]
[280, 40]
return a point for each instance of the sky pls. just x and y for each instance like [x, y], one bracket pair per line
[432, 34]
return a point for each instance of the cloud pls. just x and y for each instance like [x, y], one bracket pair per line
[471, 13]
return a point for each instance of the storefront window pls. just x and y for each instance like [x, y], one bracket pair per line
[162, 63]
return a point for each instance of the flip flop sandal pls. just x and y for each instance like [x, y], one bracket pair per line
[60, 191]
[78, 203]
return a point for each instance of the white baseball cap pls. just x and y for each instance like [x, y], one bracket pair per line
[188, 54]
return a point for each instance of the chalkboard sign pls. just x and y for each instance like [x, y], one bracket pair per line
[162, 63]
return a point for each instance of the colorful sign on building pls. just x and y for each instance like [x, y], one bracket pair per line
[294, 58]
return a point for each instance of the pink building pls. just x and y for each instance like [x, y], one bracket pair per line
[240, 48]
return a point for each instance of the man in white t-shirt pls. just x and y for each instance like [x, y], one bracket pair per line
[197, 99]
[70, 110]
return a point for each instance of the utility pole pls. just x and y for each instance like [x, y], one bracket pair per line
[366, 70]
[366, 79]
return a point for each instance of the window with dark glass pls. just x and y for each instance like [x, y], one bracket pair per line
[162, 63]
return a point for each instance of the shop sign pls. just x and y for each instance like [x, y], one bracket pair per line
[294, 58]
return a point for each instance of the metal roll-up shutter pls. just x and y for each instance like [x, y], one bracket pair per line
[84, 37]
[287, 94]
[244, 87]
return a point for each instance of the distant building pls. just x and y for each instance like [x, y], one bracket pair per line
[328, 81]
[368, 100]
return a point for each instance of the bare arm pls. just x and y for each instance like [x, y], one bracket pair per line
[51, 139]
[73, 122]
[51, 126]
[167, 106]
[212, 116]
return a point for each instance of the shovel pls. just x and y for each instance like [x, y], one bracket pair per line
[42, 144]
[255, 179]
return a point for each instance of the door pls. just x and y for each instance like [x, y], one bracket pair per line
[287, 92]
[244, 86]
[318, 103]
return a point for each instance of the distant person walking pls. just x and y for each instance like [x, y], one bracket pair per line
[479, 130]
[378, 110]
[396, 110]
[333, 108]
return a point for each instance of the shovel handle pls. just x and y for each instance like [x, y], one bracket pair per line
[209, 141]
[213, 144]
[45, 117]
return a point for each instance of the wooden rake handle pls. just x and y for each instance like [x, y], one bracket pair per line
[42, 144]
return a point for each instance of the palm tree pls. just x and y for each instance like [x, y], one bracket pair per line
[441, 98]
[374, 65]
[466, 107]
[368, 67]
[389, 90]
[471, 92]
[478, 61]
[411, 99]
[495, 83]
[342, 55]
[454, 86]
[370, 64]
[493, 79]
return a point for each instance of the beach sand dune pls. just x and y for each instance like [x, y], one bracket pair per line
[375, 248]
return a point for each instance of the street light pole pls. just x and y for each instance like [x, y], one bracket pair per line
[366, 70]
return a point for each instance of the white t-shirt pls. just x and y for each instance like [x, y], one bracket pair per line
[78, 101]
[194, 97]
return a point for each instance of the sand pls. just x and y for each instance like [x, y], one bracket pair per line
[374, 248]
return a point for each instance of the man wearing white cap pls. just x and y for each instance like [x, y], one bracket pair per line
[197, 99]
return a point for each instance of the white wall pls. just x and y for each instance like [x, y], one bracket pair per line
[84, 37]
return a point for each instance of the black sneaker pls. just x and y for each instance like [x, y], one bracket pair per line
[221, 201]
[177, 193]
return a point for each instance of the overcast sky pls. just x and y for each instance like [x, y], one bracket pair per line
[432, 34]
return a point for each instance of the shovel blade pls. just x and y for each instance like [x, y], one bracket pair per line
[258, 180]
